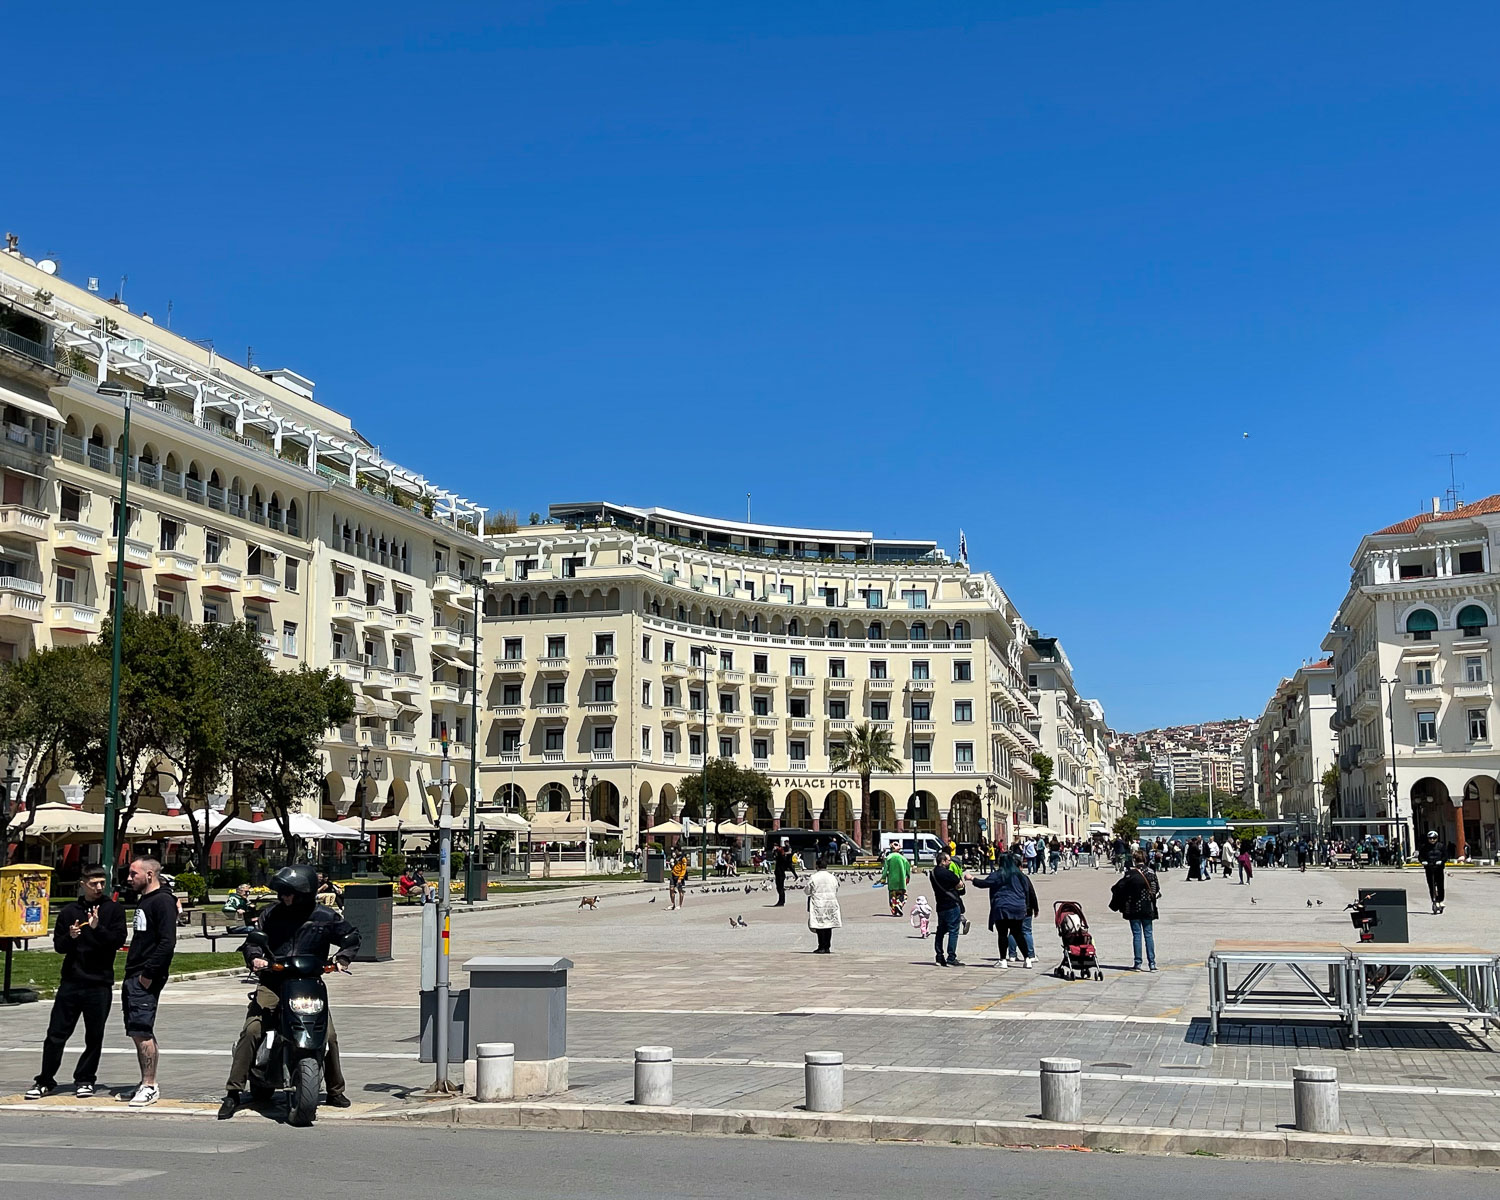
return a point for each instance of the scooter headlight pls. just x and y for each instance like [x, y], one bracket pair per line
[306, 1006]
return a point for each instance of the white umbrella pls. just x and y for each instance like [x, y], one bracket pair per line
[667, 827]
[57, 823]
[1036, 831]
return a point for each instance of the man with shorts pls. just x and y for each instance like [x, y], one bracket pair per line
[677, 880]
[152, 942]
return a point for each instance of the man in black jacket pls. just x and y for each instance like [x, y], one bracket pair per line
[89, 932]
[153, 940]
[1434, 856]
[947, 890]
[296, 925]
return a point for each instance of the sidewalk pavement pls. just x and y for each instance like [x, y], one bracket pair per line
[741, 1004]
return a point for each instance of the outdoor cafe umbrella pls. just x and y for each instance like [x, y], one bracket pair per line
[739, 829]
[55, 824]
[667, 827]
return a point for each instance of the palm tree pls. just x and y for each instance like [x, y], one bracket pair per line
[867, 750]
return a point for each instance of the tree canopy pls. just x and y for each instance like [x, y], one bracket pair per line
[201, 711]
[1041, 789]
[728, 784]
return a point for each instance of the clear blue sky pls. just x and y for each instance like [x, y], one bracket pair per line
[1030, 270]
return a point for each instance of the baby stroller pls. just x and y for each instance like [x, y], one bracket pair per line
[1079, 959]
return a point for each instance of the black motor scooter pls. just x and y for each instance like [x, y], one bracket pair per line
[290, 1055]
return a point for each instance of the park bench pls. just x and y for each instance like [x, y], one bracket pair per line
[1344, 859]
[214, 926]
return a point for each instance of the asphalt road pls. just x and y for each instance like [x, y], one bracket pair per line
[175, 1159]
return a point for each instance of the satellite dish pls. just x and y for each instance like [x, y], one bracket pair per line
[48, 265]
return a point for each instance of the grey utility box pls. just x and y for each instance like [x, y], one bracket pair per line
[523, 1001]
[367, 906]
[1389, 905]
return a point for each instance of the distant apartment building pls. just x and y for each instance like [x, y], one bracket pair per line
[1292, 745]
[1085, 792]
[1414, 665]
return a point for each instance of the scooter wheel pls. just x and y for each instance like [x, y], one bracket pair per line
[306, 1078]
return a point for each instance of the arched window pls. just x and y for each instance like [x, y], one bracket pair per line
[960, 631]
[877, 631]
[794, 628]
[1471, 620]
[834, 630]
[560, 603]
[1422, 624]
[523, 606]
[919, 631]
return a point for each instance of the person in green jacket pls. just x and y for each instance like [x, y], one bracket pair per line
[896, 871]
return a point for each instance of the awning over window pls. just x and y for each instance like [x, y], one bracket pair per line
[35, 404]
[1471, 616]
[1423, 620]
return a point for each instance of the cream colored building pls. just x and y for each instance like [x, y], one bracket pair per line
[1415, 696]
[248, 500]
[631, 642]
[1294, 745]
[1086, 795]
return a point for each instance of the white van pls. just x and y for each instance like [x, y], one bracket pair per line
[908, 844]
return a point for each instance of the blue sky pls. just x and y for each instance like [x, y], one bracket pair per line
[1029, 270]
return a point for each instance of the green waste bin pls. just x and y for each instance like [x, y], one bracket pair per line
[656, 866]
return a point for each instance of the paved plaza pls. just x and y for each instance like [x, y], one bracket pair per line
[741, 1004]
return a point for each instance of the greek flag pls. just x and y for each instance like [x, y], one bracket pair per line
[963, 548]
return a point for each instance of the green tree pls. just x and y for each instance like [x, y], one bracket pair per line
[728, 784]
[1125, 827]
[1331, 792]
[1041, 789]
[1152, 799]
[865, 751]
[47, 701]
[278, 752]
[238, 673]
[163, 694]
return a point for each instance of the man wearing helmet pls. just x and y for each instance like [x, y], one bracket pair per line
[1434, 855]
[296, 925]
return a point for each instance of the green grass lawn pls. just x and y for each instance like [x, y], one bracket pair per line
[41, 969]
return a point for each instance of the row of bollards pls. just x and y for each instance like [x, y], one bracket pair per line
[823, 1075]
[1315, 1090]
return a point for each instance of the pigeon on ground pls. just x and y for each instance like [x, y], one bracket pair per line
[731, 922]
[652, 900]
[1309, 904]
[1252, 899]
[741, 922]
[1320, 904]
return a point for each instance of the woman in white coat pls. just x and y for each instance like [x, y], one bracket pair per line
[823, 906]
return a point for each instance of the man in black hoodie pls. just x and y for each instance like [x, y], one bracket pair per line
[90, 930]
[296, 925]
[153, 941]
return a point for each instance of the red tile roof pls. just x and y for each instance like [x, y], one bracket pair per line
[1490, 504]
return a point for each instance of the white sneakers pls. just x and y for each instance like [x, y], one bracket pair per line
[146, 1094]
[1005, 963]
[36, 1091]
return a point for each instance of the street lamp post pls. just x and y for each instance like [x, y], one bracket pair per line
[359, 770]
[584, 782]
[10, 782]
[703, 653]
[122, 525]
[477, 582]
[916, 832]
[1407, 835]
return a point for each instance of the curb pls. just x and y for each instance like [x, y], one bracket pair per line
[1027, 1135]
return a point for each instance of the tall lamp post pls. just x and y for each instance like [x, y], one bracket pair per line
[9, 782]
[477, 582]
[1407, 836]
[703, 653]
[916, 832]
[122, 527]
[360, 772]
[584, 783]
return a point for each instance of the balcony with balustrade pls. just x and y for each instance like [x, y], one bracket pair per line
[77, 538]
[20, 599]
[173, 564]
[220, 577]
[26, 524]
[67, 617]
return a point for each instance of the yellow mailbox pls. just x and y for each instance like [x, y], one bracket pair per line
[25, 889]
